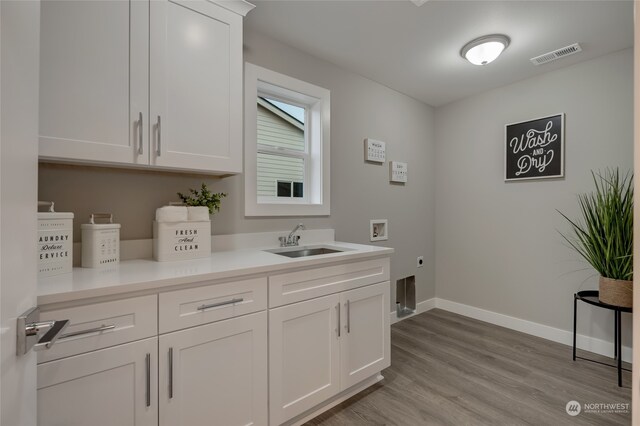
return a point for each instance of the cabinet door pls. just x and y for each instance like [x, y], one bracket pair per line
[215, 374]
[304, 356]
[94, 81]
[365, 348]
[115, 386]
[196, 86]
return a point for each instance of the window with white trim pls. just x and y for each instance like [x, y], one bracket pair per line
[286, 145]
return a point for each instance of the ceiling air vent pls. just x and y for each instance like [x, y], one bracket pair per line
[556, 54]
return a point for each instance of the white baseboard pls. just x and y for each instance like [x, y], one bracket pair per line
[424, 306]
[587, 343]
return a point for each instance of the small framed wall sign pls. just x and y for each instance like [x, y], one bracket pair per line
[534, 149]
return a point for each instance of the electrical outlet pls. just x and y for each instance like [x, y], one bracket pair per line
[420, 261]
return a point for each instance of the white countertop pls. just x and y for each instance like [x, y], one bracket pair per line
[145, 274]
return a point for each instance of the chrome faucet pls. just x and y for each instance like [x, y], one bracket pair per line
[291, 239]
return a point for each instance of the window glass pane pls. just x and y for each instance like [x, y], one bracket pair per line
[297, 189]
[284, 188]
[280, 125]
[272, 168]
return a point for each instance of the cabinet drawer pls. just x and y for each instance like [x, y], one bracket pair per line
[101, 325]
[302, 285]
[187, 308]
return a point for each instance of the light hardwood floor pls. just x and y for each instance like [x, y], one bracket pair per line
[447, 369]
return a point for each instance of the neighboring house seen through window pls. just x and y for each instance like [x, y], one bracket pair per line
[282, 149]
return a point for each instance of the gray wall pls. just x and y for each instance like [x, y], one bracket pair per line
[497, 243]
[360, 108]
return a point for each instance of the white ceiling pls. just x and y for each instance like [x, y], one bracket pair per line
[415, 50]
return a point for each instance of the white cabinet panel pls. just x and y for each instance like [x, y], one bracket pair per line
[291, 287]
[187, 308]
[365, 348]
[196, 86]
[109, 387]
[115, 322]
[136, 83]
[94, 81]
[304, 356]
[218, 374]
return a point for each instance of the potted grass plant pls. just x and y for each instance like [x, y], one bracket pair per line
[604, 235]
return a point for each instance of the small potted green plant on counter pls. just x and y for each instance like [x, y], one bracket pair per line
[203, 198]
[604, 235]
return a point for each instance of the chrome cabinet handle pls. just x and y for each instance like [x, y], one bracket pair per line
[338, 309]
[91, 330]
[140, 124]
[348, 316]
[147, 361]
[36, 334]
[213, 305]
[170, 373]
[159, 138]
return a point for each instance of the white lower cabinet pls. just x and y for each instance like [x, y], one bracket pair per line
[304, 354]
[320, 347]
[365, 348]
[215, 374]
[114, 386]
[221, 358]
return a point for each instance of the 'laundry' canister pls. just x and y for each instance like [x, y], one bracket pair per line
[100, 241]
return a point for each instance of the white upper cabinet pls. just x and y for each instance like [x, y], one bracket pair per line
[142, 84]
[93, 81]
[196, 86]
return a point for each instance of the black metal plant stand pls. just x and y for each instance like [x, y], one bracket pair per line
[592, 298]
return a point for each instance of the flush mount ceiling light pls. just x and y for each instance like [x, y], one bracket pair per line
[484, 50]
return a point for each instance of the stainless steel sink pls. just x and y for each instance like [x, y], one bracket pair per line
[305, 251]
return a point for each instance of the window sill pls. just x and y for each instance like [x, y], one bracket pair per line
[286, 209]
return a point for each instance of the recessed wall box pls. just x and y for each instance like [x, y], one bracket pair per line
[406, 296]
[374, 150]
[378, 230]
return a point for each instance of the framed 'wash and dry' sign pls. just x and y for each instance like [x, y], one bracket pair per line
[534, 149]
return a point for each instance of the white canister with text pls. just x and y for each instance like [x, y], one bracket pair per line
[55, 242]
[100, 241]
[181, 240]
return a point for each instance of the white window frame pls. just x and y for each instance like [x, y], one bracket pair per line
[316, 101]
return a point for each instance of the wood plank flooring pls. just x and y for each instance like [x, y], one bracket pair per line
[447, 369]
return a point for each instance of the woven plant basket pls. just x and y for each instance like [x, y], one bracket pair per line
[616, 292]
